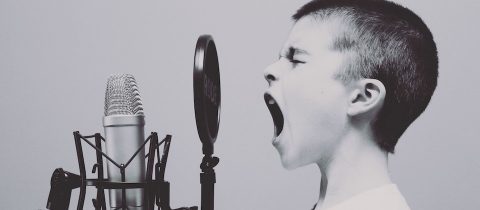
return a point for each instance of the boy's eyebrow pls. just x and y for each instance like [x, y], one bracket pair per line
[297, 50]
[293, 50]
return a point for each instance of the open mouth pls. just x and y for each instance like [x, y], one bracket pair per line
[275, 112]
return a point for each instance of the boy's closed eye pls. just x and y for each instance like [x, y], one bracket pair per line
[293, 55]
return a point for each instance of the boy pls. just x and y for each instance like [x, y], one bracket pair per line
[352, 76]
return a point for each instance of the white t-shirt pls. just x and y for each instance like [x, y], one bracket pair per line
[386, 197]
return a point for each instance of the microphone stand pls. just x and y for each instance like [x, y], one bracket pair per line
[156, 191]
[207, 177]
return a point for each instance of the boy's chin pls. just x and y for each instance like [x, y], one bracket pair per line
[290, 163]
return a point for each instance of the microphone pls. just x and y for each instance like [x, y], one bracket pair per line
[124, 123]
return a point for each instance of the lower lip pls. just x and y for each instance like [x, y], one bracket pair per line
[276, 140]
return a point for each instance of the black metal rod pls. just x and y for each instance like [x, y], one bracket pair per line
[88, 137]
[115, 185]
[208, 190]
[138, 150]
[101, 203]
[163, 190]
[103, 154]
[149, 199]
[124, 193]
[158, 153]
[83, 173]
[208, 195]
[158, 145]
[163, 161]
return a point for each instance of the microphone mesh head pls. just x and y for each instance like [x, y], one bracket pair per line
[122, 96]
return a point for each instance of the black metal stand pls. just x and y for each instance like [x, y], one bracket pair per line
[207, 179]
[157, 191]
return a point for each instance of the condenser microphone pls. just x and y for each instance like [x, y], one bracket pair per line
[124, 123]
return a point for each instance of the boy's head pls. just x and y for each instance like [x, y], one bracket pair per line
[349, 64]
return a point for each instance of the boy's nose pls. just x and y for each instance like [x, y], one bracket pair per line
[270, 78]
[270, 74]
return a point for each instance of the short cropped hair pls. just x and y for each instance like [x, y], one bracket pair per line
[390, 43]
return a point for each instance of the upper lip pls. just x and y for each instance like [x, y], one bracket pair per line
[276, 113]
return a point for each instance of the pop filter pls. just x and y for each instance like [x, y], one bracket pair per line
[206, 89]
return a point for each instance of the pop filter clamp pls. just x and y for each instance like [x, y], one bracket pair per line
[206, 89]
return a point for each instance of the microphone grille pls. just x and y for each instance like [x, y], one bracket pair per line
[122, 96]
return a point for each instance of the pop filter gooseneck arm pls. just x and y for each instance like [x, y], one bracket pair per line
[206, 88]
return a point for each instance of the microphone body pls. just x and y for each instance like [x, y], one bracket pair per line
[124, 135]
[124, 123]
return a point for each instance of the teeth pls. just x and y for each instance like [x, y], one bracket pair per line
[271, 101]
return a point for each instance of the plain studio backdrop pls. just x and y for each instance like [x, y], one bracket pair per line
[55, 57]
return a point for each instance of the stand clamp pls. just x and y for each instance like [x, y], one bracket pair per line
[207, 180]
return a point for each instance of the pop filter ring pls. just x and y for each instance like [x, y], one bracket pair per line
[207, 94]
[207, 101]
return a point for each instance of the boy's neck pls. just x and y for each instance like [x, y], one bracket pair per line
[356, 166]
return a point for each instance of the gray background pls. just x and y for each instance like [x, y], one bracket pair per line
[55, 57]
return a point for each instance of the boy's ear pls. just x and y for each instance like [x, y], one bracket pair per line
[366, 97]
